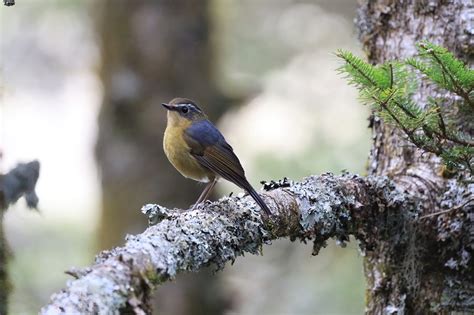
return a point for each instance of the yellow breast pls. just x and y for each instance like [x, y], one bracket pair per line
[178, 153]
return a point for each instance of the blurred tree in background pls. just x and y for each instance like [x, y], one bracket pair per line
[152, 51]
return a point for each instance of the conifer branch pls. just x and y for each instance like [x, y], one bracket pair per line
[457, 88]
[389, 87]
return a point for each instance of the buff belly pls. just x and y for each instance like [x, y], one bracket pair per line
[178, 153]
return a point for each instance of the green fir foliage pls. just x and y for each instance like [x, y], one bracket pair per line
[389, 89]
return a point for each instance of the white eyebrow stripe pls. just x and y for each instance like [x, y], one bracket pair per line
[190, 105]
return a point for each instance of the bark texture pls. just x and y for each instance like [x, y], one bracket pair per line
[152, 51]
[423, 266]
[318, 208]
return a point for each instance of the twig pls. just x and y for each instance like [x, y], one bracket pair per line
[448, 210]
[358, 70]
[391, 75]
[457, 87]
[441, 123]
[405, 110]
[454, 139]
[467, 160]
[383, 104]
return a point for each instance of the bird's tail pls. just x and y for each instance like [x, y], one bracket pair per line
[259, 200]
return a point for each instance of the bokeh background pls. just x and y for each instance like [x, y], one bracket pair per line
[80, 88]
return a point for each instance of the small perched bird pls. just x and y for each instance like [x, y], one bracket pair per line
[198, 150]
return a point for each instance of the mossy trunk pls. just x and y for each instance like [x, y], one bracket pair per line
[419, 265]
[152, 51]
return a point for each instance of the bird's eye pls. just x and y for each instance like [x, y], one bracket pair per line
[184, 109]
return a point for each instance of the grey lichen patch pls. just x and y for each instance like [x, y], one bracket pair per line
[197, 238]
[108, 287]
[455, 235]
[392, 223]
[325, 202]
[399, 238]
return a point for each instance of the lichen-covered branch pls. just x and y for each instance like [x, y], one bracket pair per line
[317, 208]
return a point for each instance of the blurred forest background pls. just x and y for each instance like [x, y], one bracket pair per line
[80, 88]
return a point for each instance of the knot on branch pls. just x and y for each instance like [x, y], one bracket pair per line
[156, 213]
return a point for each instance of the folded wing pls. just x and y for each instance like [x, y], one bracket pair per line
[211, 150]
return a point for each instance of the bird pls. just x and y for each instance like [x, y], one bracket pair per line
[199, 151]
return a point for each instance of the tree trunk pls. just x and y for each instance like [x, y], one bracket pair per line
[418, 266]
[152, 51]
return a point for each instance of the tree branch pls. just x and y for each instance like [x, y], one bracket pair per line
[20, 181]
[317, 208]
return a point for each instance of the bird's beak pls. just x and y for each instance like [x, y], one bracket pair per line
[167, 106]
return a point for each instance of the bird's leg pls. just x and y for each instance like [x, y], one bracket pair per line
[205, 192]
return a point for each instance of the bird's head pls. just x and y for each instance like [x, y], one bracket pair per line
[183, 111]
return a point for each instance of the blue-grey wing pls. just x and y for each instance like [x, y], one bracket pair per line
[210, 149]
[205, 133]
